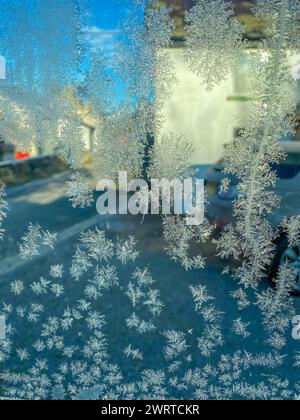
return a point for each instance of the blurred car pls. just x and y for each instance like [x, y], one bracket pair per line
[220, 206]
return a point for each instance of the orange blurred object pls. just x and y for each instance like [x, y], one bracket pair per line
[21, 155]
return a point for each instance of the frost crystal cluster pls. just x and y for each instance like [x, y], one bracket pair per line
[43, 54]
[96, 345]
[214, 40]
[251, 240]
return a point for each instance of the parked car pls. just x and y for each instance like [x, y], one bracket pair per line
[220, 207]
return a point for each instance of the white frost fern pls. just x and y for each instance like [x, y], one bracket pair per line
[252, 156]
[34, 238]
[214, 40]
[3, 209]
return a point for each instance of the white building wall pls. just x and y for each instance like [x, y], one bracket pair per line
[207, 118]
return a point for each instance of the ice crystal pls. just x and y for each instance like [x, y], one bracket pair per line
[277, 308]
[292, 228]
[126, 250]
[179, 237]
[271, 9]
[67, 355]
[212, 336]
[97, 245]
[33, 239]
[104, 278]
[80, 264]
[200, 296]
[17, 287]
[3, 208]
[143, 277]
[241, 297]
[41, 63]
[57, 271]
[79, 191]
[133, 353]
[142, 58]
[214, 40]
[40, 287]
[297, 360]
[57, 289]
[141, 295]
[141, 326]
[121, 145]
[251, 238]
[142, 62]
[22, 354]
[176, 344]
[171, 158]
[240, 328]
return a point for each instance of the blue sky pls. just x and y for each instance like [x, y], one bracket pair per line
[106, 18]
[108, 13]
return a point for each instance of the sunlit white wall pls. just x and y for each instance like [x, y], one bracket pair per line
[207, 118]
